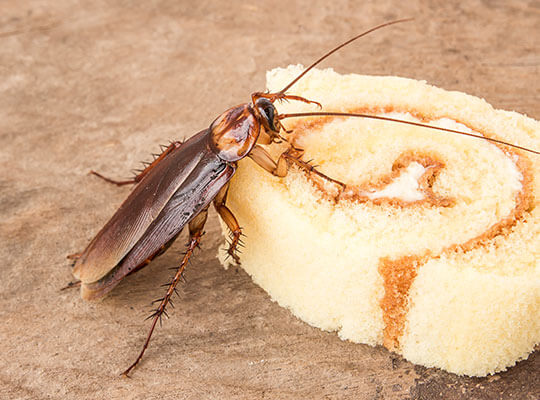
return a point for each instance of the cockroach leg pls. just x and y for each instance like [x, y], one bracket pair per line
[285, 129]
[71, 285]
[115, 182]
[230, 220]
[292, 155]
[263, 159]
[306, 166]
[282, 96]
[74, 256]
[195, 231]
[302, 99]
[145, 171]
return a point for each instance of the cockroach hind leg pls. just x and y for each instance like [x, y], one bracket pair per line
[160, 310]
[165, 151]
[114, 182]
[74, 256]
[70, 285]
[139, 174]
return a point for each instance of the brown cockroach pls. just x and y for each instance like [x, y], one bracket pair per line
[176, 190]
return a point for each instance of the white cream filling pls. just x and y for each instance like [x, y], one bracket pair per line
[405, 187]
[512, 169]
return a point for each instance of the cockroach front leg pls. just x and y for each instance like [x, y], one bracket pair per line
[195, 232]
[262, 158]
[145, 171]
[230, 220]
[282, 96]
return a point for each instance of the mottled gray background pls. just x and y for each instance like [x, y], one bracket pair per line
[100, 84]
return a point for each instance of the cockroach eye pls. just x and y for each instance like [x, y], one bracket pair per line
[269, 114]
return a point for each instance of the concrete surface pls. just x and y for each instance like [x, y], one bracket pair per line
[99, 85]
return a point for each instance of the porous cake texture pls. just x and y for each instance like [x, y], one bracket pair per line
[430, 248]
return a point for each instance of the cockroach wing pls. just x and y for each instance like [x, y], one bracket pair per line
[193, 196]
[178, 173]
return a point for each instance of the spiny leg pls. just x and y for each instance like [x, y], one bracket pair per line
[263, 159]
[115, 182]
[230, 220]
[308, 167]
[145, 171]
[195, 231]
[74, 256]
[72, 284]
[282, 96]
[76, 283]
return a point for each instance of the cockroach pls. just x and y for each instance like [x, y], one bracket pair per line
[176, 190]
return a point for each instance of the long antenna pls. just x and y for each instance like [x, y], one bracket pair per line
[339, 114]
[339, 47]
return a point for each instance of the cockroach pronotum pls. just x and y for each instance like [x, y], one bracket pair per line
[176, 190]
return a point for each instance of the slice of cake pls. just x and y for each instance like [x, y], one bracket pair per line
[432, 247]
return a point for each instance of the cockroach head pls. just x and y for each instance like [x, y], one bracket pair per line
[269, 114]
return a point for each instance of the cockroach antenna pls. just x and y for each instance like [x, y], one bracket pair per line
[281, 95]
[378, 117]
[324, 57]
